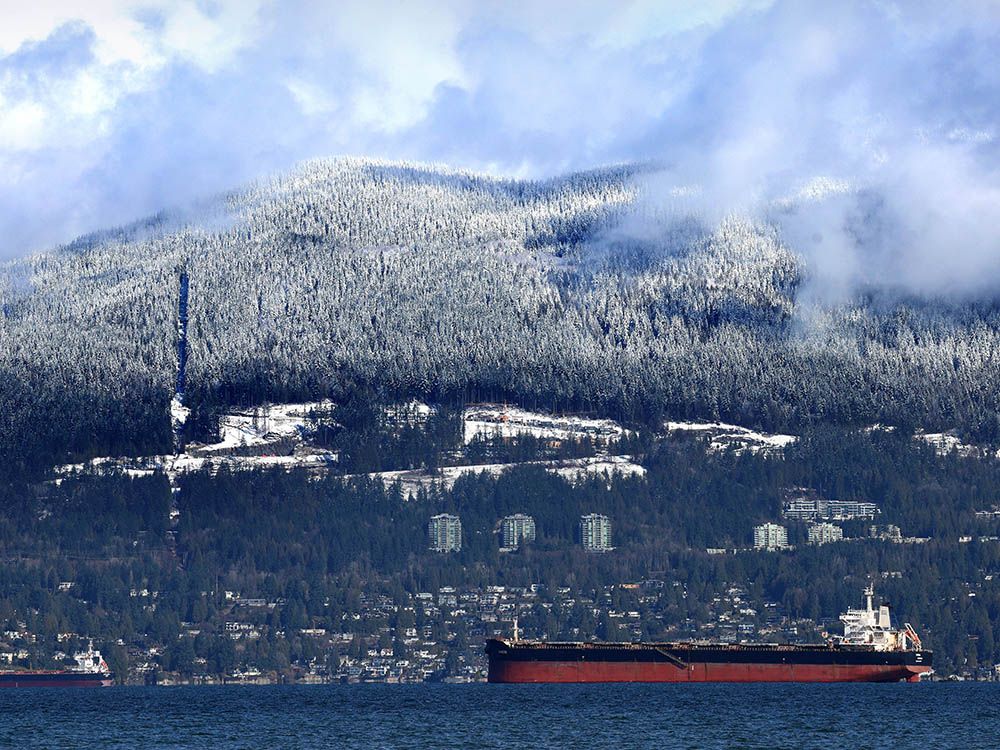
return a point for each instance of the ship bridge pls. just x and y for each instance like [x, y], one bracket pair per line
[872, 627]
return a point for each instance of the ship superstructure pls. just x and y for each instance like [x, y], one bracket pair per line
[869, 651]
[872, 627]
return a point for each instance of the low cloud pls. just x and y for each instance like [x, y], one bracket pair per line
[866, 130]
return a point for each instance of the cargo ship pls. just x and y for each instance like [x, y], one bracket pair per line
[90, 670]
[870, 650]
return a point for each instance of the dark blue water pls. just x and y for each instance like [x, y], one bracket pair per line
[507, 716]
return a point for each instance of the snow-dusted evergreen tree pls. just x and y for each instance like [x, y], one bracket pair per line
[435, 283]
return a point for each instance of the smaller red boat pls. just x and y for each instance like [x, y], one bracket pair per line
[90, 670]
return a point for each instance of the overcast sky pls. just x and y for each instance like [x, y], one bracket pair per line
[112, 109]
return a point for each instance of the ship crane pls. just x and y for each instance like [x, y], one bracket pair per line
[910, 633]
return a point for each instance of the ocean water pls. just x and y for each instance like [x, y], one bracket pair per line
[930, 715]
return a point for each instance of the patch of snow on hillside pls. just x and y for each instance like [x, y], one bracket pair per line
[412, 480]
[421, 409]
[178, 413]
[274, 433]
[494, 420]
[184, 463]
[262, 426]
[412, 413]
[278, 426]
[878, 427]
[266, 423]
[579, 468]
[946, 442]
[572, 468]
[724, 436]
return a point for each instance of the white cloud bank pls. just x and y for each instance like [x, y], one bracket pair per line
[111, 109]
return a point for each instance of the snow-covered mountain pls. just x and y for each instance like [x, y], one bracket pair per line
[427, 282]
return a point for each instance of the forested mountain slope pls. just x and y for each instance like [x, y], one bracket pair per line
[430, 283]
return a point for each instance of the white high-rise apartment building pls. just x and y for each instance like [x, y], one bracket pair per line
[516, 529]
[822, 533]
[445, 532]
[770, 536]
[595, 532]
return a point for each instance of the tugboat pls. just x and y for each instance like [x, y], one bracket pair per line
[869, 651]
[90, 670]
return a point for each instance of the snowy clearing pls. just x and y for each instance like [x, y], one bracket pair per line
[412, 411]
[579, 468]
[274, 432]
[278, 435]
[730, 436]
[184, 463]
[495, 420]
[573, 469]
[178, 413]
[946, 442]
[263, 425]
[878, 427]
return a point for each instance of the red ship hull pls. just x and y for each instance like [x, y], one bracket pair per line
[638, 672]
[53, 679]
